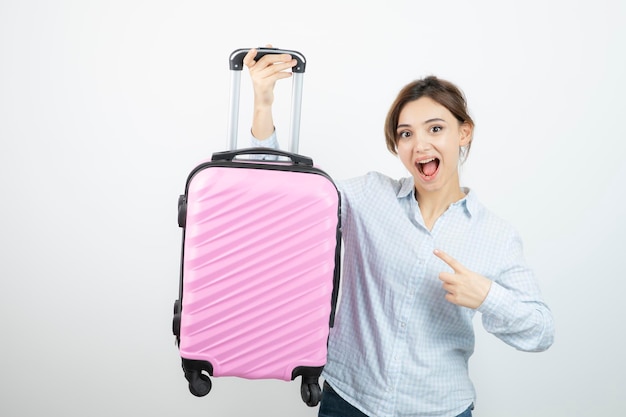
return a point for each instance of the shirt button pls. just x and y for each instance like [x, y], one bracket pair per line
[403, 325]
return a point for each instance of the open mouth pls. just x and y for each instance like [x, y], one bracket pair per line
[428, 167]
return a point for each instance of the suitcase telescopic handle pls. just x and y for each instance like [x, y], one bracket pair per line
[230, 155]
[236, 66]
[236, 58]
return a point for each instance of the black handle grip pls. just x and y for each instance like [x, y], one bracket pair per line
[236, 58]
[230, 155]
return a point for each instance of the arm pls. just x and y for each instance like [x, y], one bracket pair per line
[527, 325]
[264, 74]
[511, 306]
[514, 310]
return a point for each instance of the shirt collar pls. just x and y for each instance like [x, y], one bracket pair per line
[406, 187]
[469, 203]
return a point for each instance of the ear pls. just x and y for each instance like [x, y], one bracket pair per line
[466, 132]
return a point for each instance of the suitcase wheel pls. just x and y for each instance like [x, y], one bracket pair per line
[200, 385]
[311, 393]
[176, 320]
[182, 211]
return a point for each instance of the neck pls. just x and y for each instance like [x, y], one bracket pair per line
[433, 204]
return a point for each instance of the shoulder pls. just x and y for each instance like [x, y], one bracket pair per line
[372, 194]
[372, 182]
[489, 222]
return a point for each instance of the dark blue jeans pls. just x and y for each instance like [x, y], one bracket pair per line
[332, 405]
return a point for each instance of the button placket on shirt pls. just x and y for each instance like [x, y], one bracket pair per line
[402, 328]
[402, 320]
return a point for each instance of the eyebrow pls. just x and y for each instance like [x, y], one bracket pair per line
[435, 119]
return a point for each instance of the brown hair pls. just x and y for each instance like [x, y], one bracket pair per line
[441, 91]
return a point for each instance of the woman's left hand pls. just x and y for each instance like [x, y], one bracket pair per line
[464, 287]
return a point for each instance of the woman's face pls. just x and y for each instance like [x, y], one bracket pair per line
[428, 144]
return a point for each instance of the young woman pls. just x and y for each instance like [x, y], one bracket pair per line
[422, 256]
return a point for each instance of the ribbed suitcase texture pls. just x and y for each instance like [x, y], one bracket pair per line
[259, 268]
[259, 277]
[259, 272]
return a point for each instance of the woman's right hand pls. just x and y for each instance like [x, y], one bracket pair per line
[264, 74]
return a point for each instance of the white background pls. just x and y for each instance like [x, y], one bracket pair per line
[105, 106]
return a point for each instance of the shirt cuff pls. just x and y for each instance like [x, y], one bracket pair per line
[497, 298]
[270, 142]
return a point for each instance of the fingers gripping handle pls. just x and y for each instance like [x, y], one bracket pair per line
[236, 66]
[236, 58]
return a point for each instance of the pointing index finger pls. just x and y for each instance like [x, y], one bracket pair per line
[453, 263]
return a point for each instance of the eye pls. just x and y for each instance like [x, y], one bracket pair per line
[436, 129]
[404, 134]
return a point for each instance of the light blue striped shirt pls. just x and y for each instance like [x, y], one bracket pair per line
[398, 348]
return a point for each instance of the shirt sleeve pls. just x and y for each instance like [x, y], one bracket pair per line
[271, 142]
[514, 310]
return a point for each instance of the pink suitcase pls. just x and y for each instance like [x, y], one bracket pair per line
[260, 261]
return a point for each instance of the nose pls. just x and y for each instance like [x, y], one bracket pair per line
[420, 143]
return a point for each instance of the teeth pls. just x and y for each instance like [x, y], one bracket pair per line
[426, 161]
